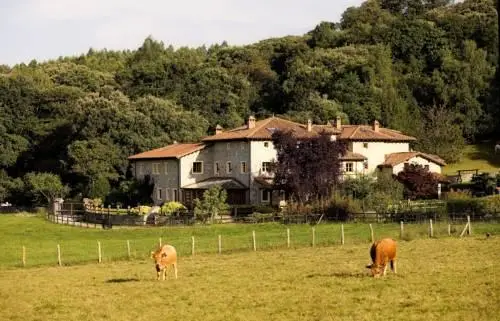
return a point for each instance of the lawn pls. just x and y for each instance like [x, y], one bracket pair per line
[438, 279]
[480, 156]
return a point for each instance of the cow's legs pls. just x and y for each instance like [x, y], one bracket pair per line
[385, 269]
[175, 269]
[165, 273]
[393, 266]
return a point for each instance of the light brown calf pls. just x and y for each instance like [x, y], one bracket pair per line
[382, 252]
[165, 256]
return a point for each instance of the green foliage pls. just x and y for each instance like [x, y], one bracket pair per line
[169, 208]
[423, 67]
[212, 205]
[47, 185]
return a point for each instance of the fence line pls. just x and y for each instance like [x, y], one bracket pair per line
[302, 239]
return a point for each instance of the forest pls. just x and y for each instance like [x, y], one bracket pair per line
[425, 67]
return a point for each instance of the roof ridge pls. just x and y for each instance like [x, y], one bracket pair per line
[256, 128]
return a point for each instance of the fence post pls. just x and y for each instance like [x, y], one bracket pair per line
[342, 240]
[59, 255]
[99, 251]
[449, 229]
[288, 237]
[220, 244]
[314, 236]
[128, 249]
[470, 226]
[431, 231]
[192, 245]
[24, 256]
[371, 232]
[160, 241]
[401, 230]
[254, 241]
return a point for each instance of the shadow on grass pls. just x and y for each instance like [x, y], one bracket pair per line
[122, 280]
[338, 275]
[485, 151]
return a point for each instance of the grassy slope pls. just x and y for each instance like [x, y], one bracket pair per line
[480, 156]
[79, 245]
[438, 279]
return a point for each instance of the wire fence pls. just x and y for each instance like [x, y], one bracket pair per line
[189, 242]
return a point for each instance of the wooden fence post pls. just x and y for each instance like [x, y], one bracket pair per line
[220, 244]
[431, 230]
[288, 237]
[160, 241]
[449, 229]
[59, 255]
[128, 249]
[470, 226]
[192, 245]
[313, 236]
[342, 239]
[371, 232]
[401, 230]
[99, 251]
[24, 256]
[254, 241]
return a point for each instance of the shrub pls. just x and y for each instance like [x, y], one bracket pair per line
[341, 208]
[458, 195]
[169, 208]
[265, 209]
[492, 205]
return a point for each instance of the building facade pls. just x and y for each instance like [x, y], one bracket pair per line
[239, 159]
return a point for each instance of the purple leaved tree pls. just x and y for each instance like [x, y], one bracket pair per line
[307, 168]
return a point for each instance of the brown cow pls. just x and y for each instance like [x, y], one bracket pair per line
[165, 256]
[382, 252]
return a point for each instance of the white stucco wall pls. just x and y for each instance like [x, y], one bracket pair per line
[433, 167]
[259, 153]
[376, 151]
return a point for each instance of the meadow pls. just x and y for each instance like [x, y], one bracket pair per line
[478, 156]
[439, 278]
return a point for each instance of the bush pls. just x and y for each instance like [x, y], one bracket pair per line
[492, 205]
[341, 208]
[169, 208]
[265, 209]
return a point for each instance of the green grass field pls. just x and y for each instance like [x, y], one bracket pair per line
[79, 245]
[438, 279]
[441, 278]
[479, 156]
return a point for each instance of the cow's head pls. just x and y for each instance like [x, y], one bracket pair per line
[158, 256]
[376, 270]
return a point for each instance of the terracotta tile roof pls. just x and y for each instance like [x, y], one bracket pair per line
[367, 133]
[170, 151]
[398, 158]
[350, 156]
[264, 128]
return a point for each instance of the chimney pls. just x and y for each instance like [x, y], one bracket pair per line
[251, 122]
[218, 129]
[376, 125]
[309, 125]
[338, 123]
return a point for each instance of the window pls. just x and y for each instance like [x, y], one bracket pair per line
[365, 164]
[166, 167]
[156, 168]
[266, 167]
[197, 168]
[229, 168]
[265, 196]
[158, 194]
[140, 170]
[176, 195]
[242, 146]
[228, 146]
[216, 168]
[243, 166]
[349, 167]
[365, 145]
[426, 167]
[266, 144]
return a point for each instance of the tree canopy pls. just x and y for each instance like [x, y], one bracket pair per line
[427, 68]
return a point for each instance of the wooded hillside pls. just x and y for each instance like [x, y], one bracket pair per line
[427, 68]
